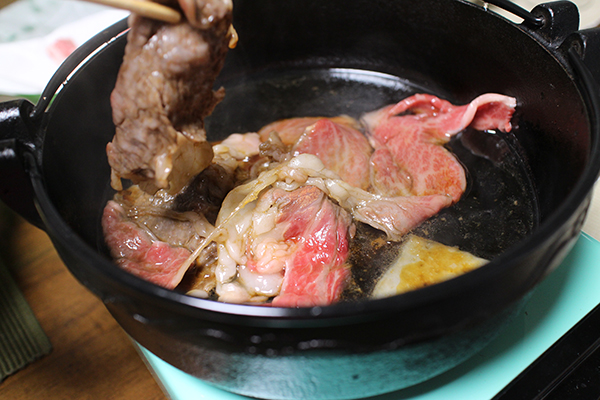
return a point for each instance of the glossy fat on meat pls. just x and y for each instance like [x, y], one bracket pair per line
[342, 149]
[399, 215]
[393, 215]
[163, 92]
[316, 234]
[408, 139]
[288, 245]
[150, 237]
[165, 217]
[337, 142]
[138, 253]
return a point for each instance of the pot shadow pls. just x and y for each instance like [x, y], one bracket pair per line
[516, 333]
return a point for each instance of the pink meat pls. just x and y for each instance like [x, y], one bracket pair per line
[317, 232]
[398, 215]
[386, 177]
[414, 132]
[290, 130]
[341, 148]
[135, 251]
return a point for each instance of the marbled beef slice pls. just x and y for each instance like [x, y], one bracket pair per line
[164, 90]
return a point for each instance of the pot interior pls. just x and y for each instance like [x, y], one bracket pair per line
[302, 58]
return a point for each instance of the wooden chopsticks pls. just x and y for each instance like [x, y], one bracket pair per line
[147, 9]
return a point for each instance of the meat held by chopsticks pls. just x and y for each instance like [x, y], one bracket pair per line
[164, 90]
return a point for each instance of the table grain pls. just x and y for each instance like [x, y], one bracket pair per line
[92, 357]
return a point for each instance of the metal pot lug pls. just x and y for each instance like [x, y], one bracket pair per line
[586, 44]
[561, 18]
[550, 22]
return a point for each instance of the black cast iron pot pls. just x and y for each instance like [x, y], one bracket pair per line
[307, 57]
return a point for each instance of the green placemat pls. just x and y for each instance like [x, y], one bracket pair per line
[22, 339]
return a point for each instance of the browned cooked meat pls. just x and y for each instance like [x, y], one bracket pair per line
[164, 91]
[205, 193]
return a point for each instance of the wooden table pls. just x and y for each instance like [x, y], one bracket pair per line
[6, 2]
[92, 357]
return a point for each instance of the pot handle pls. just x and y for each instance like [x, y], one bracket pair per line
[550, 23]
[20, 132]
[528, 18]
[556, 25]
[585, 45]
[16, 139]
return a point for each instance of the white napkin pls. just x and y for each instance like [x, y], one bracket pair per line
[26, 66]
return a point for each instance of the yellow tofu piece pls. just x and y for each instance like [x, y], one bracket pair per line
[422, 262]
